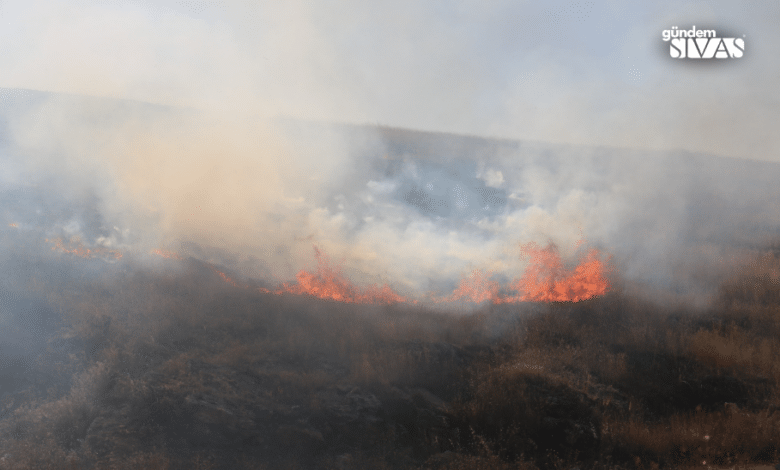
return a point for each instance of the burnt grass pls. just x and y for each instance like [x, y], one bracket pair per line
[177, 369]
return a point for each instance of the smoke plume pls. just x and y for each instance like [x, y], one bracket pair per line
[211, 129]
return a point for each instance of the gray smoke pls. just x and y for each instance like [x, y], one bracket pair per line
[133, 125]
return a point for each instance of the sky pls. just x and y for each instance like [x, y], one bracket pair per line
[552, 71]
[579, 73]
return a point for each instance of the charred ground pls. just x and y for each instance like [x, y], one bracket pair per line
[133, 367]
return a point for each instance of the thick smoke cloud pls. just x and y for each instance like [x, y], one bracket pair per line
[193, 126]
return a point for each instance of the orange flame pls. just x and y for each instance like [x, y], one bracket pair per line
[477, 288]
[13, 224]
[547, 280]
[167, 254]
[224, 276]
[329, 283]
[75, 247]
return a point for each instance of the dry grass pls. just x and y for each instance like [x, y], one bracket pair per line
[728, 437]
[735, 349]
[527, 386]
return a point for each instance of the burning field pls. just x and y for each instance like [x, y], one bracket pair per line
[164, 361]
[364, 235]
[545, 280]
[119, 354]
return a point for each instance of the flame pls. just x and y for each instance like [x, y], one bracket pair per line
[328, 283]
[75, 247]
[547, 280]
[167, 254]
[224, 276]
[13, 224]
[476, 288]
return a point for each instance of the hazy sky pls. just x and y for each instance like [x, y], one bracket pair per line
[578, 72]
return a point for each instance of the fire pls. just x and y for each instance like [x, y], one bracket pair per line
[547, 280]
[13, 224]
[224, 276]
[328, 283]
[167, 254]
[476, 288]
[75, 247]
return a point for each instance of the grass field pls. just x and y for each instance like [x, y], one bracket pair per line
[176, 368]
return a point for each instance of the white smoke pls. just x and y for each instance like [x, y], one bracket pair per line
[161, 129]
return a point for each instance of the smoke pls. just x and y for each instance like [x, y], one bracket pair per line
[193, 126]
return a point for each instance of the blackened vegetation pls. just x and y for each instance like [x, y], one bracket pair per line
[178, 369]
